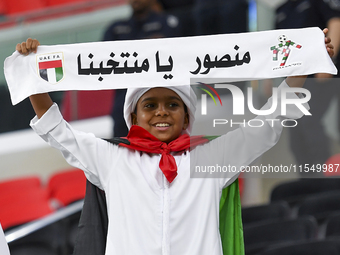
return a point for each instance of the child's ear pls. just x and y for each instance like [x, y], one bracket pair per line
[134, 119]
[186, 121]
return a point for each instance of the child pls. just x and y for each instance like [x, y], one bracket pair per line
[153, 205]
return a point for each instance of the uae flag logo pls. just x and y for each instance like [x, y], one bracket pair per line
[50, 67]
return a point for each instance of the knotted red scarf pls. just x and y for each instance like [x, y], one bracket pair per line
[141, 140]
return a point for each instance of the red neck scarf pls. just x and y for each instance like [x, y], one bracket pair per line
[141, 140]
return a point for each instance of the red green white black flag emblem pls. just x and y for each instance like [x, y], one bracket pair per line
[50, 67]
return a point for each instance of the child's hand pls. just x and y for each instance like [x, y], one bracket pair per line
[25, 48]
[321, 77]
[329, 46]
[298, 81]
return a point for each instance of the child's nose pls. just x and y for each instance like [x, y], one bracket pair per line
[162, 111]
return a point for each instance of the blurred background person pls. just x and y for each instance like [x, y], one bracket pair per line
[220, 16]
[183, 10]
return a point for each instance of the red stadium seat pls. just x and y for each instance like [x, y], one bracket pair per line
[89, 104]
[67, 186]
[66, 194]
[20, 6]
[65, 177]
[2, 7]
[61, 2]
[22, 200]
[20, 183]
[23, 207]
[20, 213]
[31, 194]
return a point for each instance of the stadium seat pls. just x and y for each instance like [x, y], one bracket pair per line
[67, 194]
[274, 211]
[22, 200]
[321, 206]
[89, 104]
[62, 2]
[20, 183]
[259, 236]
[20, 6]
[318, 247]
[67, 186]
[65, 176]
[333, 226]
[295, 191]
[2, 8]
[31, 194]
[20, 212]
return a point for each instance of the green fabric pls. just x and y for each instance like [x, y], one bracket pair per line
[210, 137]
[231, 229]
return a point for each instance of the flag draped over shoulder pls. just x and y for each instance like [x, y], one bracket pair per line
[168, 62]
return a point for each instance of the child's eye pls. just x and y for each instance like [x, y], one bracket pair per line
[173, 104]
[149, 105]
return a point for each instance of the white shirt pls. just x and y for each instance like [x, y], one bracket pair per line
[147, 215]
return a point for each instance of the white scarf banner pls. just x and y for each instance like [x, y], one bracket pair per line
[168, 62]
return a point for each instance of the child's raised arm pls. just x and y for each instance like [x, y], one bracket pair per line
[298, 81]
[40, 102]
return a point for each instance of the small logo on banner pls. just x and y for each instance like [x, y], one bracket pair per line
[50, 67]
[283, 50]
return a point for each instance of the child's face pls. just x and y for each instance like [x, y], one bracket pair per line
[161, 112]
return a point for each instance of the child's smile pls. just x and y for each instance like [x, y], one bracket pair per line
[162, 126]
[161, 112]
